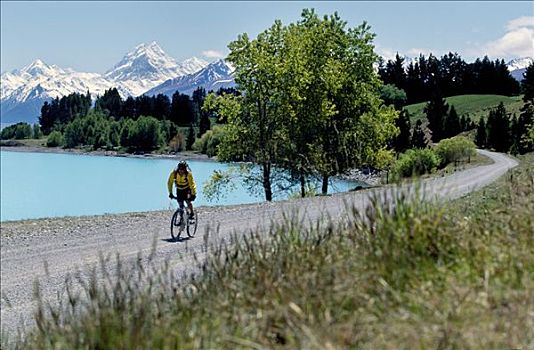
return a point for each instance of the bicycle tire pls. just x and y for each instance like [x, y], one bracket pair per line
[192, 228]
[175, 228]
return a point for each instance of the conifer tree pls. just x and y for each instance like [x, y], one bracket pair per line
[418, 136]
[526, 118]
[499, 129]
[204, 124]
[402, 141]
[436, 112]
[452, 124]
[190, 138]
[481, 137]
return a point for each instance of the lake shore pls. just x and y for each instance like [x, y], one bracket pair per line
[184, 155]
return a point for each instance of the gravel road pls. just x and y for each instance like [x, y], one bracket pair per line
[49, 249]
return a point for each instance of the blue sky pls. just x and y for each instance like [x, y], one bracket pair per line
[93, 36]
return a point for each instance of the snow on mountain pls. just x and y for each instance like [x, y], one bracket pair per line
[148, 66]
[518, 66]
[519, 63]
[23, 92]
[214, 76]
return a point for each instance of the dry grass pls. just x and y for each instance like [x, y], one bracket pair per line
[416, 276]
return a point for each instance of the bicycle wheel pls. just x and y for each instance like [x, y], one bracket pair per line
[176, 229]
[192, 226]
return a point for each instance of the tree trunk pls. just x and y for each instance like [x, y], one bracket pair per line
[324, 188]
[267, 181]
[302, 185]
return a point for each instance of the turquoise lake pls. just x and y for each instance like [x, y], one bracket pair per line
[39, 185]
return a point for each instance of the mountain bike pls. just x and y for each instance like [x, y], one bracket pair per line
[179, 223]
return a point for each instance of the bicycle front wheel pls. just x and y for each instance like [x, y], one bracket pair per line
[175, 225]
[192, 225]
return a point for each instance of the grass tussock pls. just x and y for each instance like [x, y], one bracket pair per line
[403, 276]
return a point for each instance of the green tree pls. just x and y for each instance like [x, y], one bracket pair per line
[452, 125]
[418, 136]
[481, 138]
[204, 123]
[403, 140]
[255, 132]
[17, 131]
[339, 122]
[36, 132]
[436, 112]
[455, 149]
[526, 118]
[392, 95]
[498, 127]
[190, 138]
[55, 139]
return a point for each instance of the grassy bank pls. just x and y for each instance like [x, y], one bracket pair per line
[458, 275]
[475, 106]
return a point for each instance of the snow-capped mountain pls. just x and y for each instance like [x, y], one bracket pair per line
[148, 66]
[214, 76]
[517, 66]
[23, 92]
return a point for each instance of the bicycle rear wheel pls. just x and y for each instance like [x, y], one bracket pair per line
[176, 225]
[192, 226]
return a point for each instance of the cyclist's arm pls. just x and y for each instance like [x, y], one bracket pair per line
[170, 182]
[192, 184]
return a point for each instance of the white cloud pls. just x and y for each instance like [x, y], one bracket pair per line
[213, 54]
[525, 21]
[518, 41]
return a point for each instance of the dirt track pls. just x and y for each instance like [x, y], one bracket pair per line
[49, 249]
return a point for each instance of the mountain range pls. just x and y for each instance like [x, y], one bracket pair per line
[147, 69]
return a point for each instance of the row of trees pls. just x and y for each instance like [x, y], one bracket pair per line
[450, 74]
[506, 133]
[449, 124]
[99, 131]
[21, 131]
[310, 101]
[182, 110]
[61, 111]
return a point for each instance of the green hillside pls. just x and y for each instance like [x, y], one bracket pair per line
[473, 105]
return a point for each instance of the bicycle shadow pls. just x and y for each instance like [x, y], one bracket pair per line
[178, 240]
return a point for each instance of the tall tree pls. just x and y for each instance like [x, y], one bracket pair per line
[255, 133]
[526, 118]
[418, 136]
[436, 112]
[198, 97]
[498, 127]
[452, 125]
[481, 138]
[403, 140]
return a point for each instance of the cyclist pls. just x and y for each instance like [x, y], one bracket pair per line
[186, 189]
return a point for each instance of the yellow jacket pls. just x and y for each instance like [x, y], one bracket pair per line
[182, 182]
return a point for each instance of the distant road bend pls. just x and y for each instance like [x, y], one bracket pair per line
[66, 244]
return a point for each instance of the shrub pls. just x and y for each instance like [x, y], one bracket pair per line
[455, 149]
[37, 133]
[55, 139]
[177, 143]
[416, 162]
[209, 141]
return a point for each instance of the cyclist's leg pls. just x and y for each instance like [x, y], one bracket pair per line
[189, 202]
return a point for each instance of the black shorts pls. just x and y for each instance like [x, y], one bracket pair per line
[181, 195]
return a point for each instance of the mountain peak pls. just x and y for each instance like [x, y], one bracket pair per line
[37, 67]
[519, 63]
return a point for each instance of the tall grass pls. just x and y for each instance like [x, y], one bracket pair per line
[407, 275]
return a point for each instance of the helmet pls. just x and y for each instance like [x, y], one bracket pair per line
[182, 165]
